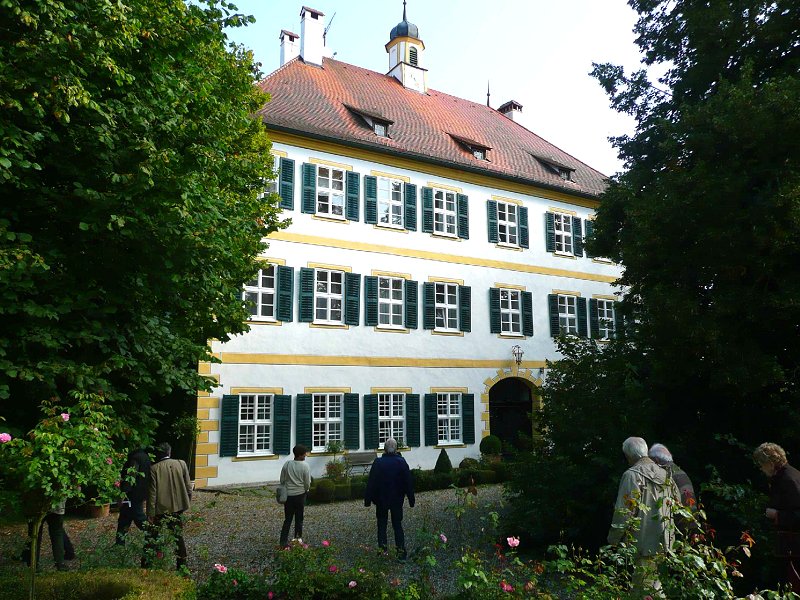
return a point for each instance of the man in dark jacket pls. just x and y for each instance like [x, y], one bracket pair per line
[388, 484]
[131, 509]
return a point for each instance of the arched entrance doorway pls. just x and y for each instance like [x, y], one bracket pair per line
[510, 407]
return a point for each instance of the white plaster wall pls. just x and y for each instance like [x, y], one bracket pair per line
[311, 42]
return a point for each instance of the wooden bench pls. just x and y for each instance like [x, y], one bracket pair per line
[360, 460]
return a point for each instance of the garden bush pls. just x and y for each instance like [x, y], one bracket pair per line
[422, 480]
[357, 488]
[486, 476]
[99, 584]
[442, 480]
[465, 477]
[342, 491]
[443, 464]
[469, 463]
[325, 490]
[491, 445]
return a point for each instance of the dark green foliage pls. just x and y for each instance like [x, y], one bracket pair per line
[342, 491]
[469, 463]
[486, 476]
[491, 444]
[443, 464]
[465, 477]
[422, 480]
[441, 481]
[357, 488]
[325, 490]
[130, 172]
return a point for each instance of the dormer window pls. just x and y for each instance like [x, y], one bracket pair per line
[376, 122]
[477, 149]
[563, 171]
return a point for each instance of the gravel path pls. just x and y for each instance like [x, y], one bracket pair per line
[240, 528]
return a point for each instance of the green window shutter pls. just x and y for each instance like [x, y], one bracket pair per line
[589, 229]
[462, 216]
[282, 430]
[286, 183]
[555, 322]
[352, 426]
[431, 421]
[550, 232]
[303, 420]
[427, 210]
[583, 329]
[370, 301]
[524, 241]
[352, 298]
[306, 295]
[353, 186]
[285, 288]
[619, 320]
[412, 302]
[410, 206]
[494, 311]
[229, 426]
[594, 321]
[412, 420]
[464, 308]
[309, 188]
[370, 421]
[577, 236]
[527, 314]
[468, 418]
[491, 219]
[428, 305]
[370, 199]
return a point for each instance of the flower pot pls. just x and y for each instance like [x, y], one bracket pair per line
[96, 511]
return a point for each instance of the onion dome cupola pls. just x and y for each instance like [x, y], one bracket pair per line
[405, 50]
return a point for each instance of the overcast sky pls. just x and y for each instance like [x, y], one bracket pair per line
[537, 52]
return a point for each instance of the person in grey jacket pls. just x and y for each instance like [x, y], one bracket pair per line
[644, 507]
[296, 476]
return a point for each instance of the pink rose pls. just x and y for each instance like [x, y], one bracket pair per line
[109, 461]
[221, 568]
[270, 595]
[65, 416]
[117, 484]
[333, 568]
[235, 583]
[506, 587]
[361, 570]
[352, 584]
[326, 543]
[513, 541]
[5, 437]
[159, 554]
[443, 537]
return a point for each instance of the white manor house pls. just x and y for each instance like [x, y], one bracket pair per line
[430, 235]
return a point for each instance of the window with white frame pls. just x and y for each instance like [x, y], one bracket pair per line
[328, 296]
[446, 298]
[326, 420]
[448, 409]
[568, 314]
[390, 301]
[563, 229]
[259, 294]
[255, 424]
[391, 417]
[330, 192]
[605, 318]
[390, 201]
[444, 212]
[507, 223]
[511, 312]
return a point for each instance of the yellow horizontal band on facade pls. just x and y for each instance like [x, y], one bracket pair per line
[313, 265]
[444, 186]
[385, 390]
[563, 211]
[403, 162]
[604, 297]
[510, 286]
[245, 358]
[507, 200]
[390, 176]
[565, 293]
[327, 390]
[256, 390]
[298, 238]
[377, 273]
[434, 279]
[330, 163]
[274, 261]
[280, 153]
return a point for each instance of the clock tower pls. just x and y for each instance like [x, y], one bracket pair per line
[405, 50]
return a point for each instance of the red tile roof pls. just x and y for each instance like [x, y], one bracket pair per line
[307, 99]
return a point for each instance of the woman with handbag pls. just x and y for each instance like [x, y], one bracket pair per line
[296, 476]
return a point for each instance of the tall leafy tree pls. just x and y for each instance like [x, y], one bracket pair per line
[131, 173]
[706, 216]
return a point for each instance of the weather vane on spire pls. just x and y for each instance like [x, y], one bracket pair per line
[404, 11]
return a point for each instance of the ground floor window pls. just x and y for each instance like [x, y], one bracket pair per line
[391, 417]
[255, 424]
[326, 421]
[448, 408]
